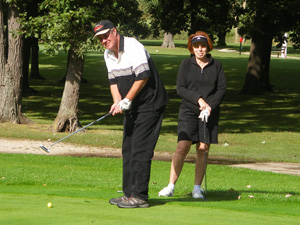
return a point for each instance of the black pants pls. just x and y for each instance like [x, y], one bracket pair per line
[141, 131]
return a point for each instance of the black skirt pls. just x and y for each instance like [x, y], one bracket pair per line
[191, 128]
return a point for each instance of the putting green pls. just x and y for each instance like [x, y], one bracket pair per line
[32, 209]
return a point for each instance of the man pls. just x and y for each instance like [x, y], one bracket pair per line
[137, 91]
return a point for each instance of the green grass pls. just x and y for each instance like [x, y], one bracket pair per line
[246, 121]
[254, 128]
[79, 189]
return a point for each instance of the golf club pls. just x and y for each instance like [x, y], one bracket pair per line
[47, 149]
[205, 158]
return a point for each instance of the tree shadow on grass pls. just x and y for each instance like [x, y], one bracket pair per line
[212, 196]
[216, 196]
[285, 194]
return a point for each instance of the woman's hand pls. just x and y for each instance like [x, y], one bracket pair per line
[203, 105]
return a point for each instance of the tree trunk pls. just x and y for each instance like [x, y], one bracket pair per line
[266, 59]
[168, 41]
[67, 117]
[193, 17]
[257, 77]
[63, 80]
[236, 35]
[2, 48]
[10, 92]
[26, 60]
[35, 72]
[27, 45]
[32, 9]
[221, 39]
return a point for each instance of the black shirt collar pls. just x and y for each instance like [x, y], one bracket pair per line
[193, 58]
[121, 44]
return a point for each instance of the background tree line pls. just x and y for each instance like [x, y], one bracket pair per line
[67, 25]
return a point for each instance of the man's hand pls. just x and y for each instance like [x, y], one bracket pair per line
[125, 104]
[204, 114]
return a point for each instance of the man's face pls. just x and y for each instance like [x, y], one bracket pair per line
[109, 39]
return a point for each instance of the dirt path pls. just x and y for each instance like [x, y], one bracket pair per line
[32, 147]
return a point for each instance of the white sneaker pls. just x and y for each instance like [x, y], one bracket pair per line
[198, 194]
[166, 192]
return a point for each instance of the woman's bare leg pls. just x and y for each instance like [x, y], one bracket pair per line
[200, 162]
[183, 148]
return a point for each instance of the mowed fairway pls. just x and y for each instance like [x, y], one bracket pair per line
[79, 189]
[252, 129]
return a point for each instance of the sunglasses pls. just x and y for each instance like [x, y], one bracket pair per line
[104, 36]
[200, 44]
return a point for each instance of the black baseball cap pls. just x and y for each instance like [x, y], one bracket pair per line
[102, 27]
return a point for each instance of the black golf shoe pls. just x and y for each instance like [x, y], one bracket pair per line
[133, 202]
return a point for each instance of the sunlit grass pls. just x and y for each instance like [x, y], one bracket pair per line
[79, 189]
[243, 118]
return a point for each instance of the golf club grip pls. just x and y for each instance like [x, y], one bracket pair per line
[101, 118]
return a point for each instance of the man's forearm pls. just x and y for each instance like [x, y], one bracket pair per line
[136, 88]
[115, 93]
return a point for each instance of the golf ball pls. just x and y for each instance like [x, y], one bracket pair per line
[49, 205]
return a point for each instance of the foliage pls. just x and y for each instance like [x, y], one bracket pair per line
[62, 24]
[214, 17]
[65, 23]
[295, 34]
[169, 16]
[129, 16]
[280, 16]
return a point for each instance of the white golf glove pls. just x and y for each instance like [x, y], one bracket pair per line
[125, 104]
[204, 114]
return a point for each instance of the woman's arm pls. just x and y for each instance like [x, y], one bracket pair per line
[182, 86]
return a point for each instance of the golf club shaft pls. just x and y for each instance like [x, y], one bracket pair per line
[205, 158]
[101, 118]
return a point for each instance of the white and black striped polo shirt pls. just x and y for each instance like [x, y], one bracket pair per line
[134, 63]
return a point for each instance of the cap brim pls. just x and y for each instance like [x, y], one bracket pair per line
[101, 32]
[195, 41]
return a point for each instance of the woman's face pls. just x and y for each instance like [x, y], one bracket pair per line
[200, 49]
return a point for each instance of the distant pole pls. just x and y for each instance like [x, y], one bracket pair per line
[241, 41]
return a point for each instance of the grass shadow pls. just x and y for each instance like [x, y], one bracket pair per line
[240, 114]
[212, 196]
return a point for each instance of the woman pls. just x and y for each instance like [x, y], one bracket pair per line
[201, 83]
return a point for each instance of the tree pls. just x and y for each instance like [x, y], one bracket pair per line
[33, 11]
[11, 66]
[169, 16]
[295, 35]
[216, 17]
[67, 25]
[30, 46]
[129, 15]
[67, 119]
[2, 46]
[263, 21]
[223, 14]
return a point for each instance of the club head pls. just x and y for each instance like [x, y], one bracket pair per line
[44, 148]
